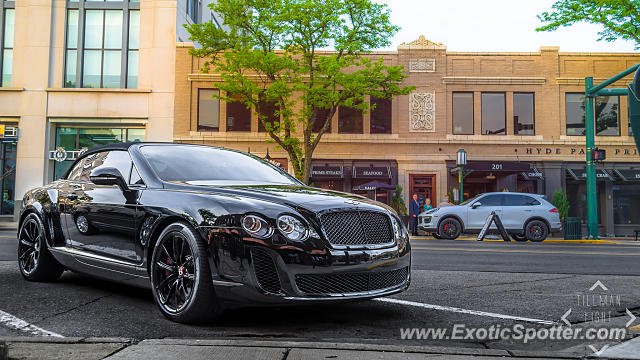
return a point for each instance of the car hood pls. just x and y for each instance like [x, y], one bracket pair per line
[314, 199]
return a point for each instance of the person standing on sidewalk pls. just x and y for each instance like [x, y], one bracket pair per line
[414, 209]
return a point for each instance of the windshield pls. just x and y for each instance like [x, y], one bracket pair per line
[469, 200]
[199, 165]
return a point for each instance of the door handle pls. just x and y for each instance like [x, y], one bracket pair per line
[72, 196]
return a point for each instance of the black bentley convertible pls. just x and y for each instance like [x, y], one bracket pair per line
[208, 228]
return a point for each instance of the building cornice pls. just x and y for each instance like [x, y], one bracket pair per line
[484, 80]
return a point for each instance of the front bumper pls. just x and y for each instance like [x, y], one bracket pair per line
[256, 273]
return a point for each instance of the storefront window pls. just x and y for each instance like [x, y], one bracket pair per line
[626, 204]
[462, 113]
[381, 116]
[8, 179]
[606, 112]
[238, 116]
[493, 114]
[349, 120]
[523, 114]
[72, 138]
[208, 110]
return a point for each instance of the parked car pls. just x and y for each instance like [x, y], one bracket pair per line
[524, 216]
[208, 228]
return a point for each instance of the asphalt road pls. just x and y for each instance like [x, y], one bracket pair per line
[539, 281]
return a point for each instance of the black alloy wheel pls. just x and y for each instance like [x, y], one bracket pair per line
[180, 276]
[449, 229]
[536, 231]
[34, 259]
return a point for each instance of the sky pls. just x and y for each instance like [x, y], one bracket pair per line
[492, 25]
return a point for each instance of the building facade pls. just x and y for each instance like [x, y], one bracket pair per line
[519, 116]
[82, 73]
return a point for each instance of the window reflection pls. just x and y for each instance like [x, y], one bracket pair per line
[606, 110]
[349, 120]
[462, 113]
[381, 116]
[493, 114]
[523, 114]
[238, 116]
[208, 110]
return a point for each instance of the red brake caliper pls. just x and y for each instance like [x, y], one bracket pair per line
[166, 272]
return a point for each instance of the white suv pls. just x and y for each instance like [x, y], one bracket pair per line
[524, 216]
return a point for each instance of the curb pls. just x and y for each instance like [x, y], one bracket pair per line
[559, 241]
[150, 344]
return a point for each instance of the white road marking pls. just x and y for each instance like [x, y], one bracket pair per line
[15, 323]
[464, 311]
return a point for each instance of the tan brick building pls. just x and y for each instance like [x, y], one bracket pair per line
[77, 74]
[518, 116]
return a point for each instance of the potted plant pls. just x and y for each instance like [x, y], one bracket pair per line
[571, 226]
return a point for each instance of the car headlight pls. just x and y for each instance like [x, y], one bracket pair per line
[256, 226]
[292, 228]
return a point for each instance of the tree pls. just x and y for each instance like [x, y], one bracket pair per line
[273, 53]
[620, 18]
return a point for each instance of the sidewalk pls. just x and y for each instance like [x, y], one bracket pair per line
[604, 240]
[125, 349]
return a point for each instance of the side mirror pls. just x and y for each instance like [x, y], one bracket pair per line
[108, 176]
[476, 204]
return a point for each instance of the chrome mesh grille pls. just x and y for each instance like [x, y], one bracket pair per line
[354, 227]
[350, 282]
[266, 272]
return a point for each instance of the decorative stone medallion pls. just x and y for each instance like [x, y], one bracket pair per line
[422, 112]
[422, 65]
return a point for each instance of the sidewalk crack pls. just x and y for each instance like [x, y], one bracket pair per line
[73, 308]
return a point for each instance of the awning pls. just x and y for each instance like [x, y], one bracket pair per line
[372, 172]
[581, 174]
[372, 186]
[533, 174]
[627, 174]
[498, 167]
[327, 172]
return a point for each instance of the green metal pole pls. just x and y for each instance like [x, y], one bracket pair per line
[460, 181]
[592, 201]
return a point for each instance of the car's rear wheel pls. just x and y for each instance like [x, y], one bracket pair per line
[34, 259]
[519, 237]
[180, 276]
[449, 228]
[536, 231]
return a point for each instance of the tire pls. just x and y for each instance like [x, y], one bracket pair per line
[536, 231]
[180, 276]
[518, 237]
[436, 236]
[449, 229]
[34, 259]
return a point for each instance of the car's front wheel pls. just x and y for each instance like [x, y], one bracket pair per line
[180, 276]
[536, 231]
[34, 259]
[449, 228]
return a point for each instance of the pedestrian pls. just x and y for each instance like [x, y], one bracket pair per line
[414, 210]
[427, 204]
[445, 201]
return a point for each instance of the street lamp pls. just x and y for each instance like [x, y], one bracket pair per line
[461, 162]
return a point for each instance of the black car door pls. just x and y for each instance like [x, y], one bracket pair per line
[100, 219]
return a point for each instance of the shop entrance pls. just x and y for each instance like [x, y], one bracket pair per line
[424, 186]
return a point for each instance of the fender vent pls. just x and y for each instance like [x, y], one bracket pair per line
[265, 270]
